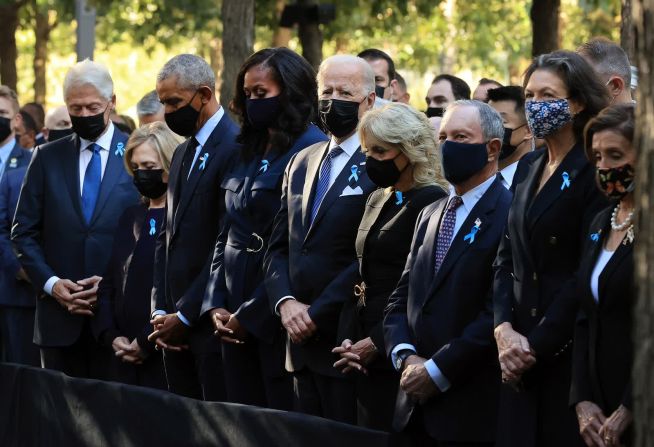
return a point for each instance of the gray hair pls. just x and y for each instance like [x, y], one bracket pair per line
[367, 74]
[149, 104]
[90, 73]
[191, 71]
[491, 123]
[607, 58]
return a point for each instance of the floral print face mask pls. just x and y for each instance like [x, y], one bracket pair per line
[546, 117]
[616, 182]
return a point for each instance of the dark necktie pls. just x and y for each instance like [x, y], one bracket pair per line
[446, 231]
[92, 181]
[189, 155]
[323, 180]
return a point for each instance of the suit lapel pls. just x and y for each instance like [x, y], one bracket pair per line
[572, 164]
[112, 173]
[70, 160]
[311, 177]
[372, 212]
[522, 200]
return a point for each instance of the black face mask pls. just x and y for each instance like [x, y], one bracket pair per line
[263, 112]
[56, 134]
[383, 173]
[5, 128]
[507, 147]
[462, 160]
[379, 91]
[89, 127]
[435, 111]
[149, 182]
[183, 120]
[339, 117]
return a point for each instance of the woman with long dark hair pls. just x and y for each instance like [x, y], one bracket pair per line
[276, 102]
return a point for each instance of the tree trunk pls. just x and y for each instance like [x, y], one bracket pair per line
[310, 37]
[42, 30]
[643, 380]
[8, 50]
[627, 31]
[238, 42]
[281, 35]
[545, 26]
[447, 57]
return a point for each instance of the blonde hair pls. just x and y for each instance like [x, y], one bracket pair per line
[160, 137]
[10, 95]
[404, 128]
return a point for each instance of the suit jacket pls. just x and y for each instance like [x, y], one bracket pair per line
[448, 317]
[316, 263]
[15, 292]
[51, 235]
[603, 346]
[194, 210]
[19, 157]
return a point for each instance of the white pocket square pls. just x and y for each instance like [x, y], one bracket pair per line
[349, 191]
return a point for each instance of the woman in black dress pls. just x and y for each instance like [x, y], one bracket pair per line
[535, 303]
[276, 101]
[603, 347]
[123, 317]
[402, 160]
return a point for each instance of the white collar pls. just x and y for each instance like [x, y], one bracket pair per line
[349, 146]
[207, 128]
[508, 172]
[5, 150]
[471, 197]
[104, 141]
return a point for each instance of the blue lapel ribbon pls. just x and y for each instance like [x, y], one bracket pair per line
[355, 173]
[264, 166]
[203, 160]
[153, 227]
[400, 198]
[473, 231]
[566, 181]
[596, 236]
[120, 149]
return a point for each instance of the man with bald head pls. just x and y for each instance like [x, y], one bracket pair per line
[311, 265]
[438, 326]
[57, 124]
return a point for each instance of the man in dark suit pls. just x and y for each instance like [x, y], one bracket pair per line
[194, 209]
[73, 193]
[12, 155]
[311, 265]
[439, 323]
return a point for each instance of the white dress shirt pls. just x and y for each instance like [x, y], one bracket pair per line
[469, 199]
[507, 174]
[5, 153]
[104, 141]
[603, 259]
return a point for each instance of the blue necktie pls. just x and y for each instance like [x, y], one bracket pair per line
[446, 231]
[323, 180]
[92, 181]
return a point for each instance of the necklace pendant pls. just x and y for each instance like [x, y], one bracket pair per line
[629, 237]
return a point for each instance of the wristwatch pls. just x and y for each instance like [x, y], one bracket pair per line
[401, 357]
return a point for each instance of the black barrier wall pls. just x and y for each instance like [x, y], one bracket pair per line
[45, 408]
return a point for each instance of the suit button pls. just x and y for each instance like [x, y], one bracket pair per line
[535, 277]
[533, 312]
[552, 240]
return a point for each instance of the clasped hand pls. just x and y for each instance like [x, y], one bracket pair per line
[355, 356]
[296, 320]
[416, 381]
[74, 297]
[169, 332]
[128, 352]
[515, 354]
[227, 326]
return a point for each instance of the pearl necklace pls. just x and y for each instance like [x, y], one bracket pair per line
[627, 222]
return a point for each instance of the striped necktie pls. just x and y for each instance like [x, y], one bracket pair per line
[323, 180]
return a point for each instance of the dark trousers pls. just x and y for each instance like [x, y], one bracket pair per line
[255, 374]
[148, 374]
[16, 333]
[418, 435]
[324, 396]
[376, 394]
[197, 372]
[85, 358]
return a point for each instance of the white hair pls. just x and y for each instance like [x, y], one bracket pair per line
[367, 80]
[490, 120]
[191, 71]
[149, 104]
[90, 73]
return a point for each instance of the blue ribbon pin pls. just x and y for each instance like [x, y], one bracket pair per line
[153, 227]
[264, 166]
[566, 181]
[473, 231]
[355, 173]
[120, 149]
[595, 236]
[204, 159]
[400, 198]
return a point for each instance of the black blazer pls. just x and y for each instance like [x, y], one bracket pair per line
[603, 346]
[383, 243]
[251, 202]
[537, 260]
[316, 263]
[448, 318]
[51, 236]
[193, 218]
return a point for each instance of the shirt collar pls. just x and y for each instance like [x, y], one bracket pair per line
[349, 146]
[471, 197]
[104, 141]
[5, 150]
[508, 172]
[207, 128]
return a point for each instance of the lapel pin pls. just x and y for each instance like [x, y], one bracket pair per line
[595, 236]
[354, 169]
[264, 166]
[203, 161]
[473, 231]
[13, 162]
[399, 197]
[153, 227]
[566, 181]
[120, 149]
